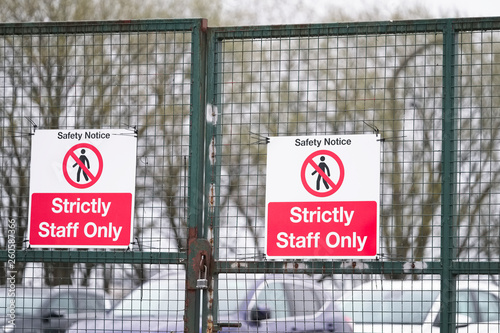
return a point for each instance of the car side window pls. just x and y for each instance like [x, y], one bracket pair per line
[89, 302]
[488, 306]
[272, 299]
[62, 304]
[305, 300]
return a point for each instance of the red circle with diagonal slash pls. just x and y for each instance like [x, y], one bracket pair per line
[71, 154]
[309, 161]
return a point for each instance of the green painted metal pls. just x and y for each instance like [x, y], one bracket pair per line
[196, 169]
[212, 178]
[447, 268]
[357, 28]
[206, 132]
[448, 201]
[83, 27]
[196, 30]
[101, 257]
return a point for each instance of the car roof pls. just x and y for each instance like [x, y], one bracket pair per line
[434, 284]
[249, 277]
[40, 292]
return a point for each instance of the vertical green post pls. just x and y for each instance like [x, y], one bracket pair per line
[195, 185]
[213, 169]
[449, 167]
[214, 138]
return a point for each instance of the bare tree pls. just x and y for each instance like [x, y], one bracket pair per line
[336, 85]
[99, 80]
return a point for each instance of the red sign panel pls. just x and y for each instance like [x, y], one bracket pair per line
[305, 229]
[81, 219]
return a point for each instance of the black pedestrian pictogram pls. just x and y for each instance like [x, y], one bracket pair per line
[85, 161]
[88, 155]
[324, 167]
[324, 173]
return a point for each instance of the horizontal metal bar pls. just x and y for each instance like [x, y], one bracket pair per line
[310, 267]
[336, 29]
[475, 267]
[356, 28]
[97, 256]
[353, 267]
[327, 267]
[293, 30]
[80, 27]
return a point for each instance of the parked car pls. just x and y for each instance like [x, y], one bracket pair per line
[259, 303]
[50, 310]
[413, 306]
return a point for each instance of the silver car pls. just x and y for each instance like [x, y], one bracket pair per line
[49, 310]
[413, 306]
[260, 303]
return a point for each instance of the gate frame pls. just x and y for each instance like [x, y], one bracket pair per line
[205, 168]
[447, 268]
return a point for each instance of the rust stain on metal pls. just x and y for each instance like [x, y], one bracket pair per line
[211, 240]
[210, 320]
[210, 297]
[204, 25]
[210, 324]
[192, 234]
[200, 260]
[213, 155]
[212, 196]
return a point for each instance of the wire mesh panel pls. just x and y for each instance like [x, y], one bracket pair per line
[277, 303]
[135, 76]
[427, 89]
[319, 85]
[477, 104]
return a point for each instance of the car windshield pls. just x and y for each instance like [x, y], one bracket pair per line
[157, 298]
[165, 297]
[26, 304]
[232, 292]
[274, 295]
[161, 298]
[389, 306]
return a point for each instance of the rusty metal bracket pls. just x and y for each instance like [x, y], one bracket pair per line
[200, 260]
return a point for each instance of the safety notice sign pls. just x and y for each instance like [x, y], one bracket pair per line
[82, 188]
[322, 196]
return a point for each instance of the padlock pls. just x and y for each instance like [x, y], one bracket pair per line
[202, 283]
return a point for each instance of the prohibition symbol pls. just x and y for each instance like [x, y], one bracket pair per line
[317, 173]
[79, 165]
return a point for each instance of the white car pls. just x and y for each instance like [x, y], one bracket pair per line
[413, 306]
[259, 303]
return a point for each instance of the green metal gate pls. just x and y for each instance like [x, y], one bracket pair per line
[144, 75]
[203, 101]
[427, 87]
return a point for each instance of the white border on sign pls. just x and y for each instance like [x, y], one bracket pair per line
[361, 160]
[118, 148]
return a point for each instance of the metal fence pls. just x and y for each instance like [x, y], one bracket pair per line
[203, 101]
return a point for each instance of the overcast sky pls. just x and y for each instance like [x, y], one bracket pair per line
[315, 11]
[467, 8]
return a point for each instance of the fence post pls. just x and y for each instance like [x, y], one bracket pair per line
[195, 186]
[448, 209]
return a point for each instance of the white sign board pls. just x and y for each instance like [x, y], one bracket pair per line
[322, 196]
[82, 188]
